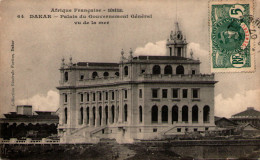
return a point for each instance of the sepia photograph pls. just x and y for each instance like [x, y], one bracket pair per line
[135, 80]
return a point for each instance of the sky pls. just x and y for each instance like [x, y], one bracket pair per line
[40, 45]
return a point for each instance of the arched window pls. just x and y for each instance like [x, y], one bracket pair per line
[66, 76]
[125, 111]
[100, 115]
[155, 114]
[113, 113]
[66, 115]
[81, 115]
[94, 75]
[185, 113]
[106, 74]
[156, 69]
[87, 115]
[106, 111]
[165, 114]
[117, 74]
[126, 70]
[206, 111]
[195, 112]
[180, 69]
[94, 115]
[140, 114]
[117, 113]
[168, 69]
[175, 113]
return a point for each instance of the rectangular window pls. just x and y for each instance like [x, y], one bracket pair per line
[65, 98]
[185, 93]
[155, 93]
[195, 129]
[82, 77]
[94, 96]
[100, 96]
[206, 128]
[87, 96]
[81, 97]
[175, 93]
[154, 129]
[125, 94]
[106, 95]
[193, 71]
[178, 129]
[140, 93]
[164, 93]
[113, 95]
[195, 93]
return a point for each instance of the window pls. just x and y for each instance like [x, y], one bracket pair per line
[81, 115]
[94, 75]
[178, 129]
[179, 50]
[100, 96]
[66, 76]
[126, 70]
[165, 114]
[143, 70]
[195, 129]
[81, 77]
[100, 114]
[117, 74]
[193, 71]
[125, 94]
[168, 69]
[180, 70]
[164, 93]
[66, 115]
[81, 97]
[206, 114]
[185, 93]
[113, 95]
[195, 114]
[175, 113]
[206, 128]
[186, 129]
[156, 69]
[154, 129]
[155, 114]
[87, 115]
[140, 130]
[106, 95]
[140, 93]
[185, 116]
[87, 96]
[140, 114]
[175, 93]
[94, 115]
[195, 93]
[94, 96]
[106, 74]
[125, 112]
[155, 93]
[113, 113]
[65, 98]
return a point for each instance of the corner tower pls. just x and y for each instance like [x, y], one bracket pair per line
[177, 45]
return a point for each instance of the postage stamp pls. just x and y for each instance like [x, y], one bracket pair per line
[231, 46]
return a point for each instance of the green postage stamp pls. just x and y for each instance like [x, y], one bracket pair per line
[231, 48]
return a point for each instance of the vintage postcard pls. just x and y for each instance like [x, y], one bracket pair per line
[140, 79]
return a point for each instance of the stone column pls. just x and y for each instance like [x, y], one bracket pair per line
[200, 115]
[61, 111]
[120, 92]
[179, 114]
[159, 115]
[169, 116]
[91, 116]
[190, 114]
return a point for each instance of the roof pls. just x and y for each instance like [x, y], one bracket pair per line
[225, 119]
[161, 58]
[97, 64]
[250, 112]
[20, 116]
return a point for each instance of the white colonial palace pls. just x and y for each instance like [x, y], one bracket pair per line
[142, 97]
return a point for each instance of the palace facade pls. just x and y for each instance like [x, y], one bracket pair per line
[143, 97]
